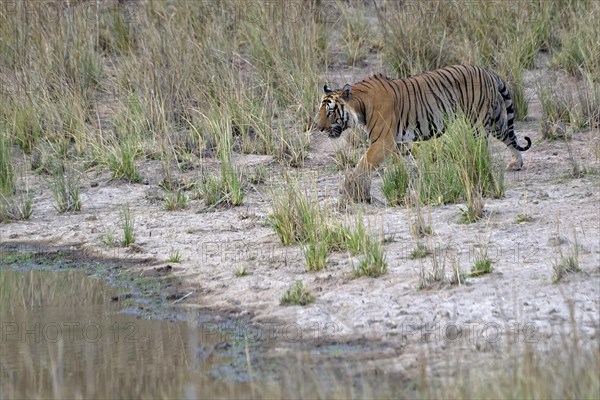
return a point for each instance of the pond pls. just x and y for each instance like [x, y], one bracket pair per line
[64, 334]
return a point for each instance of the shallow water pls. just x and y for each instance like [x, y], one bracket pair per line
[61, 336]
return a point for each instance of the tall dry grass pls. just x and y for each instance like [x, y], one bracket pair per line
[158, 79]
[118, 82]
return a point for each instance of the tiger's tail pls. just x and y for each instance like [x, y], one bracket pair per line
[510, 117]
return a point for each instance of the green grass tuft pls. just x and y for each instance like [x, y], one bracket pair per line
[174, 257]
[421, 251]
[240, 271]
[455, 167]
[482, 266]
[315, 252]
[128, 226]
[298, 294]
[567, 263]
[226, 190]
[64, 183]
[175, 200]
[396, 182]
[373, 263]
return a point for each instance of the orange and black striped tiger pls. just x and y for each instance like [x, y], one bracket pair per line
[397, 111]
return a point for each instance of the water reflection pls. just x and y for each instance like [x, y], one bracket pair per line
[63, 337]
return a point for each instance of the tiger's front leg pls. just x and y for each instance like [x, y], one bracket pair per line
[356, 185]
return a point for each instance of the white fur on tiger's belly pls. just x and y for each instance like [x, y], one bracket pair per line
[406, 136]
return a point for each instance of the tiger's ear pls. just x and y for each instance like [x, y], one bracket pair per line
[346, 92]
[327, 89]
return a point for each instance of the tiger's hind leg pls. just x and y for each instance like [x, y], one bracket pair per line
[502, 129]
[516, 162]
[510, 140]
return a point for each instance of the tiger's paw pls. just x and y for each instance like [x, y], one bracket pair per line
[356, 187]
[515, 165]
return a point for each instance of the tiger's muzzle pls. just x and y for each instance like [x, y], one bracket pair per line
[336, 131]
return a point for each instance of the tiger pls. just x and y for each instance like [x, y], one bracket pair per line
[397, 112]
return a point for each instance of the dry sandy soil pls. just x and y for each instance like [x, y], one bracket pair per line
[517, 302]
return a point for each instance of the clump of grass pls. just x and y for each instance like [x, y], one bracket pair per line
[517, 91]
[576, 171]
[26, 128]
[65, 186]
[109, 239]
[373, 263]
[122, 162]
[396, 182]
[421, 251]
[567, 263]
[474, 209]
[483, 263]
[524, 215]
[437, 275]
[293, 150]
[128, 226]
[419, 229]
[295, 216]
[522, 218]
[458, 166]
[458, 277]
[209, 190]
[589, 102]
[298, 218]
[298, 294]
[565, 266]
[226, 190]
[336, 235]
[258, 176]
[346, 158]
[240, 271]
[15, 204]
[478, 176]
[557, 110]
[174, 256]
[175, 200]
[358, 240]
[482, 266]
[315, 252]
[7, 174]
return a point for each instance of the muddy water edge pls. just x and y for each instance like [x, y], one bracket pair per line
[75, 327]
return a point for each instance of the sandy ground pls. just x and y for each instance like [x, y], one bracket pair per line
[518, 299]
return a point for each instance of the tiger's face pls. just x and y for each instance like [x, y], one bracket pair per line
[334, 115]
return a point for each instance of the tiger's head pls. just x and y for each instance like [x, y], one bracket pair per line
[334, 114]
